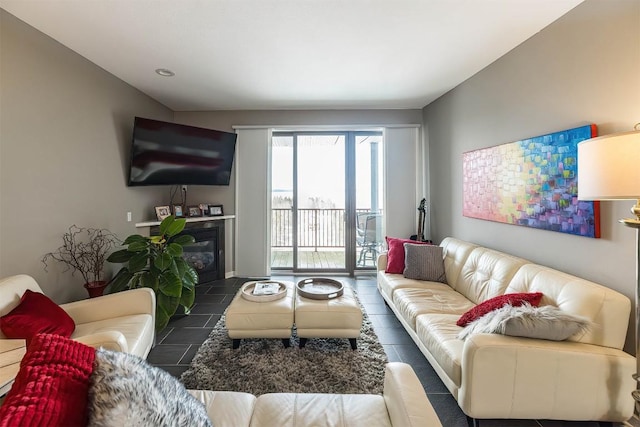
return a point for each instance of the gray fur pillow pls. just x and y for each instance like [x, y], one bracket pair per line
[424, 262]
[126, 391]
[545, 322]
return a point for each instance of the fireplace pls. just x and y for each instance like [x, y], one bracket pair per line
[206, 255]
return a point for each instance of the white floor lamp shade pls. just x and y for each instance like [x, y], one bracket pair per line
[609, 169]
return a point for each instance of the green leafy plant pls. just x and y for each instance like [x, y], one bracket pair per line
[156, 262]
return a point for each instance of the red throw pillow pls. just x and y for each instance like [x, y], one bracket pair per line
[51, 388]
[395, 254]
[36, 314]
[495, 303]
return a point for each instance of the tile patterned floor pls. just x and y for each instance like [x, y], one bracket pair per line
[179, 342]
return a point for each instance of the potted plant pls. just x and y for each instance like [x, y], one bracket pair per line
[156, 262]
[84, 250]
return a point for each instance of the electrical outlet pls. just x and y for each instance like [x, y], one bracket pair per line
[184, 188]
[128, 216]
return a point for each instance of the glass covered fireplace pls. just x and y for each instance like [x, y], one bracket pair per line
[206, 255]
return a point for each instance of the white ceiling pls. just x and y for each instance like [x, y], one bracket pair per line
[291, 54]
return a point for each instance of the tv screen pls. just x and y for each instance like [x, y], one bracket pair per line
[171, 154]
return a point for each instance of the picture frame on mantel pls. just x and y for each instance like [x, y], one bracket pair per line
[162, 212]
[194, 211]
[215, 210]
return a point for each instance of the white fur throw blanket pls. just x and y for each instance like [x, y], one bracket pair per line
[127, 391]
[546, 322]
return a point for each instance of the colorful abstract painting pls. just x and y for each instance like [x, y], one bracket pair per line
[532, 183]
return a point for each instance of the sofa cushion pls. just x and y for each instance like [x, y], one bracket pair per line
[456, 253]
[52, 384]
[547, 322]
[227, 408]
[424, 262]
[485, 274]
[310, 409]
[498, 302]
[389, 283]
[36, 313]
[439, 334]
[412, 302]
[395, 254]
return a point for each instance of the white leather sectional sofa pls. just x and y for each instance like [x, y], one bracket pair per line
[402, 404]
[586, 377]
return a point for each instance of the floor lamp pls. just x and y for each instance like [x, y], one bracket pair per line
[609, 169]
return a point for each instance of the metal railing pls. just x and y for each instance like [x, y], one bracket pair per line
[317, 228]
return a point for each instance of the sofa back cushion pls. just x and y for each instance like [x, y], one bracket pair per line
[456, 253]
[607, 309]
[485, 274]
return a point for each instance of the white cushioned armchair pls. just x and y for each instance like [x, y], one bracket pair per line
[124, 321]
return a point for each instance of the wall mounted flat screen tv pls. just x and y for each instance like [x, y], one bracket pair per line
[165, 153]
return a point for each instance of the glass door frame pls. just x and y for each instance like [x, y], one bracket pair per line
[350, 246]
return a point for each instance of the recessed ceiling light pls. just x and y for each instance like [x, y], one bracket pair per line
[165, 73]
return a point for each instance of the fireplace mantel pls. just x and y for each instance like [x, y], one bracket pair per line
[194, 219]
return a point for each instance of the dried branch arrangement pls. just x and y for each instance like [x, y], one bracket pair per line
[84, 250]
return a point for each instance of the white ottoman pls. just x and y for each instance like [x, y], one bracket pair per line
[339, 317]
[273, 319]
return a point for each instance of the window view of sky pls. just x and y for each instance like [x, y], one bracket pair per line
[321, 171]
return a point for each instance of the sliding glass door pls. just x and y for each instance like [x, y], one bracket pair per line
[321, 181]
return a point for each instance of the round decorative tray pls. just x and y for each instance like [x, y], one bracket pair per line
[319, 288]
[248, 288]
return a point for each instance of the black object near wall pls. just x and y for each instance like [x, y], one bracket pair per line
[206, 255]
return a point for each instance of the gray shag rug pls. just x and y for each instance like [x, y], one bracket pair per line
[260, 366]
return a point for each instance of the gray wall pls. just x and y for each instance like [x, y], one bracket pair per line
[65, 131]
[584, 68]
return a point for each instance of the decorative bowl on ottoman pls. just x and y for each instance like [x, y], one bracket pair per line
[319, 288]
[263, 291]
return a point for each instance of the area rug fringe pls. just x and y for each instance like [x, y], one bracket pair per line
[264, 366]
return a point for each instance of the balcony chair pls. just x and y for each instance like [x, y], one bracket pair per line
[367, 237]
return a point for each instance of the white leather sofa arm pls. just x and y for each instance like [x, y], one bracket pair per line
[381, 265]
[109, 340]
[407, 403]
[530, 378]
[134, 301]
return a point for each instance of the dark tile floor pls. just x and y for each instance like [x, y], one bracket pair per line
[179, 342]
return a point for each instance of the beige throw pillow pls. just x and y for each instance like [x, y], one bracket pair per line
[424, 262]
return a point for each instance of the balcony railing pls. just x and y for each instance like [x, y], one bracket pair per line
[317, 228]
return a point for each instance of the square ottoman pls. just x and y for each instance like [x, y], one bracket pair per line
[339, 317]
[272, 319]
